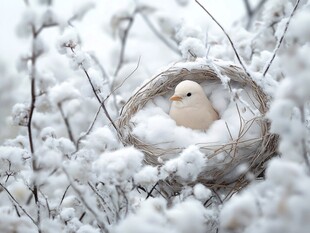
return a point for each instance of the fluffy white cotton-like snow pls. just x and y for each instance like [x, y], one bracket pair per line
[187, 216]
[67, 214]
[153, 217]
[19, 191]
[63, 92]
[188, 165]
[191, 41]
[201, 192]
[192, 47]
[276, 169]
[68, 40]
[20, 114]
[47, 132]
[118, 166]
[101, 140]
[239, 212]
[88, 229]
[45, 80]
[148, 175]
[276, 204]
[80, 59]
[148, 219]
[12, 159]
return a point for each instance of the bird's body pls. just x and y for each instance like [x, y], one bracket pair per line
[190, 106]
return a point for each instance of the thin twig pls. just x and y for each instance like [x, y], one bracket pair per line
[19, 205]
[63, 196]
[104, 204]
[105, 78]
[101, 102]
[124, 38]
[66, 120]
[84, 201]
[149, 194]
[122, 83]
[228, 37]
[89, 129]
[303, 143]
[281, 39]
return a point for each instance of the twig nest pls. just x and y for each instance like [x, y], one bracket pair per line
[238, 143]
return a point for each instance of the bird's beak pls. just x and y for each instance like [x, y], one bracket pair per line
[175, 98]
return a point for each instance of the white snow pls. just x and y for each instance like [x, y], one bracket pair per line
[80, 187]
[188, 165]
[20, 114]
[63, 92]
[118, 166]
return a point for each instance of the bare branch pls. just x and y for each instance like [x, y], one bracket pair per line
[101, 102]
[228, 37]
[280, 39]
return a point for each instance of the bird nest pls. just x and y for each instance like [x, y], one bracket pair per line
[222, 172]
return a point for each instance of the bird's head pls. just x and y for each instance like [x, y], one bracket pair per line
[188, 94]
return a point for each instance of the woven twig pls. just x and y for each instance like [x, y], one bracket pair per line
[218, 176]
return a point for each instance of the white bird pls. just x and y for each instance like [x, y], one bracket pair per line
[190, 106]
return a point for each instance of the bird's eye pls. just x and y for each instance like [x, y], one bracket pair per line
[189, 94]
